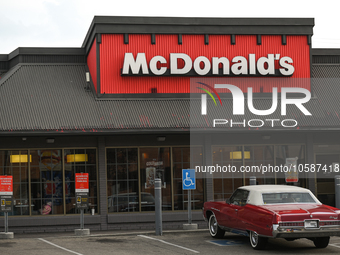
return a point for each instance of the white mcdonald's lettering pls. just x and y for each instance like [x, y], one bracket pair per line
[239, 65]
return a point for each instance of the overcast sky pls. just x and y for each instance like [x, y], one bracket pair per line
[64, 23]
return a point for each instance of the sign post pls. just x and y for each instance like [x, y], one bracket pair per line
[6, 198]
[82, 200]
[189, 183]
[158, 207]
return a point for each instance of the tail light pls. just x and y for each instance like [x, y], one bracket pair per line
[329, 223]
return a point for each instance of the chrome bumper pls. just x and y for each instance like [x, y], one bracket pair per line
[301, 232]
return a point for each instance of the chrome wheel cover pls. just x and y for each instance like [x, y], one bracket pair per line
[213, 225]
[254, 238]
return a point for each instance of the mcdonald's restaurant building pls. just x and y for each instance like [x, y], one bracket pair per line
[145, 97]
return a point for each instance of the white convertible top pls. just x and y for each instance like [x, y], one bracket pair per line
[256, 191]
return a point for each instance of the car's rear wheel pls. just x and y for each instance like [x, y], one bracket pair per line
[256, 241]
[214, 229]
[321, 242]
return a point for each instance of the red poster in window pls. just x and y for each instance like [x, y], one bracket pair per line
[82, 182]
[6, 185]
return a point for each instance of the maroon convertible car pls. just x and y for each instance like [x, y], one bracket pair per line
[273, 211]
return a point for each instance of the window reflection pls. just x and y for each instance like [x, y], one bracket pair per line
[155, 163]
[122, 176]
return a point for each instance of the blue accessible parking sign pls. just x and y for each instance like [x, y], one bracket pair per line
[188, 179]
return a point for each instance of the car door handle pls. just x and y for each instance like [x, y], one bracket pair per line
[236, 210]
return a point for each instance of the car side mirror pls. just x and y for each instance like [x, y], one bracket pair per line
[228, 201]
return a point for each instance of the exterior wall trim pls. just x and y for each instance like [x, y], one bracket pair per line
[176, 25]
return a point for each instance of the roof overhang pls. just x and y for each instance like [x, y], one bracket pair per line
[179, 25]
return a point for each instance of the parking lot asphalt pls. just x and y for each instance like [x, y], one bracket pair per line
[171, 242]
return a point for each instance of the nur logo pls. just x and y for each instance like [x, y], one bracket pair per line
[239, 99]
[204, 97]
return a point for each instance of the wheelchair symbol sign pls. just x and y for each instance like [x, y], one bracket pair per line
[188, 179]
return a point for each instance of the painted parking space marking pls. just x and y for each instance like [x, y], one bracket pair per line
[227, 242]
[162, 241]
[335, 245]
[41, 239]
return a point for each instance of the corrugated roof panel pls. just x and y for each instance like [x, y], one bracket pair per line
[41, 98]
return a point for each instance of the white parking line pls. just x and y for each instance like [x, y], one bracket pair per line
[41, 239]
[337, 245]
[169, 243]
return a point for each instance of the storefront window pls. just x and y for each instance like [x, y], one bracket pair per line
[155, 163]
[181, 160]
[15, 163]
[122, 180]
[259, 156]
[252, 158]
[80, 161]
[327, 156]
[131, 174]
[50, 172]
[47, 182]
[226, 183]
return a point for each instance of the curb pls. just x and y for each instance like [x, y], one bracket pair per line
[57, 235]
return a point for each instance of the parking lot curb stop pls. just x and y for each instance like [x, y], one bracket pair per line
[6, 235]
[82, 232]
[189, 226]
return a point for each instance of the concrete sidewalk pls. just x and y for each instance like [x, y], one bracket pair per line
[101, 233]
